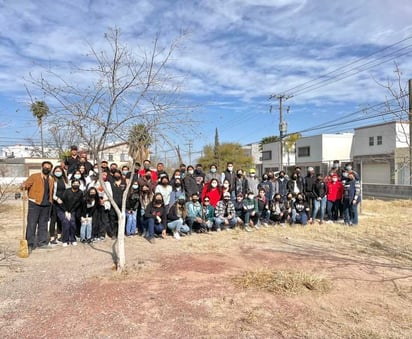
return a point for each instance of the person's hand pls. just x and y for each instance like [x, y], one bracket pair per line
[159, 220]
[68, 215]
[59, 201]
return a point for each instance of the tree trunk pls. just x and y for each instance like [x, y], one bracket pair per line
[121, 256]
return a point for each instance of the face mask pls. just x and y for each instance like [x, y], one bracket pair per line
[46, 171]
[181, 202]
[195, 200]
[135, 187]
[145, 192]
[77, 176]
[146, 166]
[158, 201]
[178, 184]
[58, 174]
[125, 172]
[277, 199]
[252, 175]
[190, 172]
[294, 177]
[95, 170]
[225, 185]
[149, 176]
[250, 196]
[270, 176]
[349, 168]
[226, 199]
[213, 184]
[239, 175]
[299, 198]
[177, 176]
[165, 183]
[281, 176]
[265, 178]
[345, 175]
[334, 179]
[92, 195]
[213, 170]
[112, 170]
[230, 168]
[75, 187]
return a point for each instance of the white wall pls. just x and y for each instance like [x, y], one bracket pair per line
[393, 136]
[337, 146]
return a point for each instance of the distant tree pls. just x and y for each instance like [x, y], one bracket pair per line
[139, 142]
[228, 152]
[40, 110]
[290, 143]
[267, 140]
[396, 108]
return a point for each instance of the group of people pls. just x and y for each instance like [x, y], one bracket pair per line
[75, 200]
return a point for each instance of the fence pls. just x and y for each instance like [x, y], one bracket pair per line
[387, 191]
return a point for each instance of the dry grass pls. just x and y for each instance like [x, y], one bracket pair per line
[283, 282]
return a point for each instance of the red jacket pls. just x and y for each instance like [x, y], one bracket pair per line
[214, 194]
[335, 190]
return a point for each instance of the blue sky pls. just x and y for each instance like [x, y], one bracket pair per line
[236, 55]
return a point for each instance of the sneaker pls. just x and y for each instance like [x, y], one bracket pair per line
[83, 241]
[248, 229]
[65, 244]
[144, 234]
[176, 235]
[329, 222]
[265, 224]
[151, 240]
[257, 227]
[218, 229]
[74, 243]
[53, 242]
[282, 225]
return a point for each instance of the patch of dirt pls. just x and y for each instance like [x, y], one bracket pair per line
[182, 289]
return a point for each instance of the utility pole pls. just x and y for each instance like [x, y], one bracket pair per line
[282, 124]
[410, 131]
[190, 152]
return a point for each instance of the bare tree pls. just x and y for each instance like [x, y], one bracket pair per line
[396, 108]
[127, 88]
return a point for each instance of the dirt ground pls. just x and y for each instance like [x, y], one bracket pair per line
[186, 288]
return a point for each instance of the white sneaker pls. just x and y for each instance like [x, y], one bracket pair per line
[65, 244]
[176, 235]
[218, 230]
[74, 243]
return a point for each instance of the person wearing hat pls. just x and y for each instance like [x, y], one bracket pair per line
[72, 162]
[176, 217]
[225, 213]
[253, 181]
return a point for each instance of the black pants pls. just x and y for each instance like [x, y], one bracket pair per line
[55, 221]
[100, 222]
[113, 223]
[37, 218]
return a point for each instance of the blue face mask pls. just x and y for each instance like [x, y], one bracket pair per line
[58, 174]
[135, 187]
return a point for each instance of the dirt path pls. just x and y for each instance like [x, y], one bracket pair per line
[185, 289]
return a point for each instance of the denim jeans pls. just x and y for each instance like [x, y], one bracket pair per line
[319, 204]
[178, 226]
[333, 209]
[350, 212]
[86, 229]
[301, 218]
[131, 222]
[151, 227]
[221, 221]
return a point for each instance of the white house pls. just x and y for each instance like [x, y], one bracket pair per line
[381, 152]
[271, 157]
[253, 151]
[320, 151]
[26, 151]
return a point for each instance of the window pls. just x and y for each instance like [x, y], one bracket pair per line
[371, 141]
[110, 157]
[304, 151]
[379, 140]
[267, 155]
[123, 157]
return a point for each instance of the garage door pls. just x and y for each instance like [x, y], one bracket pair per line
[376, 174]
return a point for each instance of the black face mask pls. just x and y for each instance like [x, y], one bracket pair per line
[113, 170]
[75, 187]
[158, 201]
[178, 184]
[239, 175]
[195, 200]
[92, 196]
[46, 171]
[145, 192]
[117, 177]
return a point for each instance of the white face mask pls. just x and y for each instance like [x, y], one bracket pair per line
[334, 179]
[226, 185]
[213, 184]
[230, 168]
[213, 170]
